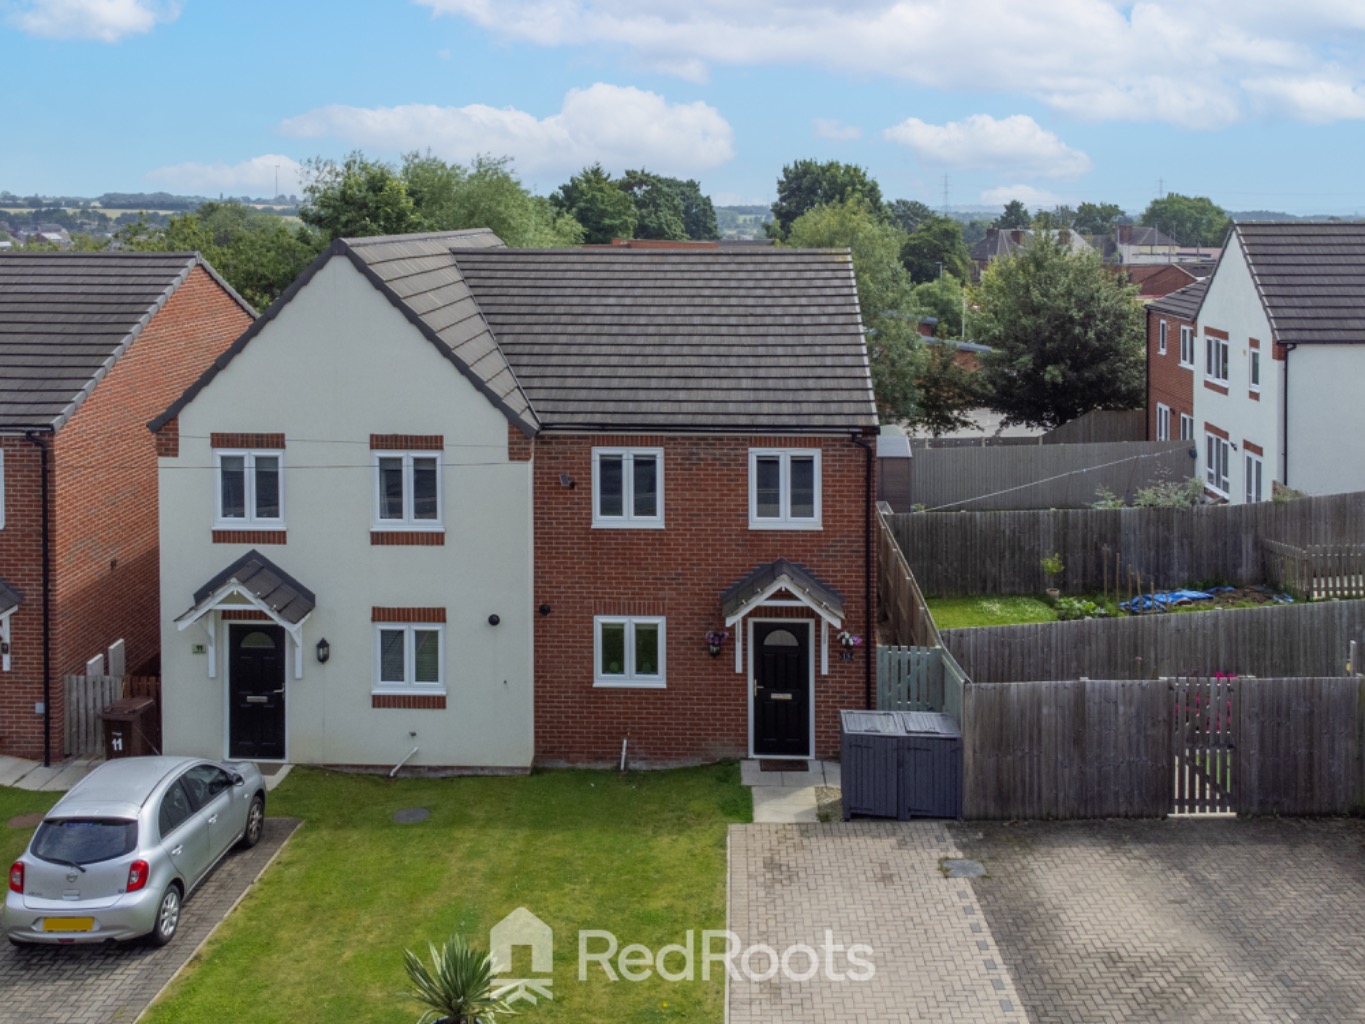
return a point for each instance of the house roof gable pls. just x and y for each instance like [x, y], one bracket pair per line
[1310, 277]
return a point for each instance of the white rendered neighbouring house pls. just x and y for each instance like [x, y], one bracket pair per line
[1279, 362]
[346, 527]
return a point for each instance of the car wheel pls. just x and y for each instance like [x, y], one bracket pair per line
[255, 823]
[167, 917]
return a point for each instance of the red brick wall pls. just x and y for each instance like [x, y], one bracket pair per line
[1167, 381]
[104, 528]
[680, 572]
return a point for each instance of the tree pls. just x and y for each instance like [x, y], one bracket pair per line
[941, 298]
[593, 199]
[947, 391]
[807, 184]
[1067, 336]
[1190, 220]
[1015, 216]
[935, 248]
[885, 299]
[907, 214]
[355, 198]
[1097, 218]
[699, 214]
[486, 194]
[1058, 218]
[658, 207]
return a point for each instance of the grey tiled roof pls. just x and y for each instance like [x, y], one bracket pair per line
[9, 597]
[794, 578]
[664, 339]
[66, 317]
[1183, 302]
[266, 581]
[1310, 277]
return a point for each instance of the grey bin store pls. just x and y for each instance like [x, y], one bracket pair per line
[900, 764]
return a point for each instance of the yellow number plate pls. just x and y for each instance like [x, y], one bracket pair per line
[68, 924]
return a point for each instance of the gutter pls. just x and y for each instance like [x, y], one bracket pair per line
[43, 472]
[868, 499]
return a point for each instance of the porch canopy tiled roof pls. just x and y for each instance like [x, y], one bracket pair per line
[667, 339]
[1310, 278]
[66, 317]
[755, 588]
[9, 598]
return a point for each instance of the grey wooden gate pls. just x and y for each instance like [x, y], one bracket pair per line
[1204, 712]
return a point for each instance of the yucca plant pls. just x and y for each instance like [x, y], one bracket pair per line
[457, 987]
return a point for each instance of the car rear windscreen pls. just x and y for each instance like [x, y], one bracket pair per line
[84, 840]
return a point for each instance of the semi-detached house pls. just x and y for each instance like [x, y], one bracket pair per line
[450, 504]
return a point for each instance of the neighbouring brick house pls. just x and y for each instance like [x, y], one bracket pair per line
[1172, 329]
[91, 346]
[521, 486]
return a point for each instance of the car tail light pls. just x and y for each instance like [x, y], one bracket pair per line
[16, 877]
[137, 875]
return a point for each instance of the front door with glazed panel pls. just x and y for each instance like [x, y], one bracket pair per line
[781, 655]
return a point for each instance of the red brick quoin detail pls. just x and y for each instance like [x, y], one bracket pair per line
[406, 442]
[520, 448]
[433, 702]
[401, 538]
[217, 440]
[249, 536]
[168, 440]
[407, 615]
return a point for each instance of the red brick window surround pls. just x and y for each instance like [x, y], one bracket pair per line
[392, 538]
[409, 701]
[407, 442]
[250, 536]
[407, 614]
[265, 441]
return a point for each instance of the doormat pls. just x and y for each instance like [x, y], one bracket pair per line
[784, 766]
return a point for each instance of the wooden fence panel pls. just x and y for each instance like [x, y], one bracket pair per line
[909, 678]
[1298, 746]
[955, 553]
[86, 697]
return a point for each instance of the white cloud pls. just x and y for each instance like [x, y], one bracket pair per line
[1193, 65]
[837, 130]
[1316, 100]
[1034, 198]
[106, 21]
[620, 126]
[254, 177]
[1016, 145]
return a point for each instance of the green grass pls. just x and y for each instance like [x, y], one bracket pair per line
[961, 612]
[321, 936]
[14, 802]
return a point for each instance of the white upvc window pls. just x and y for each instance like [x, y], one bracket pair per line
[1254, 370]
[250, 488]
[408, 656]
[628, 650]
[1163, 422]
[784, 489]
[1215, 359]
[1253, 467]
[628, 488]
[1186, 427]
[1217, 451]
[1161, 338]
[407, 491]
[1187, 346]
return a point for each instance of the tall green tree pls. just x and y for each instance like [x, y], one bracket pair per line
[907, 214]
[807, 184]
[486, 194]
[355, 198]
[1190, 220]
[699, 213]
[941, 298]
[1016, 215]
[658, 206]
[948, 392]
[1097, 218]
[597, 202]
[935, 248]
[885, 296]
[1067, 336]
[1057, 218]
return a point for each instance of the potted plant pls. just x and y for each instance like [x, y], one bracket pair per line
[458, 986]
[1052, 568]
[715, 640]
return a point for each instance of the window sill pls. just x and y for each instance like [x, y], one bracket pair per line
[627, 524]
[782, 524]
[602, 684]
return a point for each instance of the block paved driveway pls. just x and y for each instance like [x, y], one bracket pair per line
[1183, 920]
[97, 984]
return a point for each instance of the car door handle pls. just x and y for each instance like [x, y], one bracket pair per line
[177, 851]
[213, 820]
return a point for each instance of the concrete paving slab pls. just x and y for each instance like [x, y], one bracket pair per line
[776, 804]
[12, 769]
[38, 777]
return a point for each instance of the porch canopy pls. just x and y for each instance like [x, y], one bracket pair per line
[9, 602]
[253, 583]
[762, 587]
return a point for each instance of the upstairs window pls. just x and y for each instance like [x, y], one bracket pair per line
[1187, 346]
[1254, 370]
[1215, 359]
[784, 489]
[250, 488]
[628, 487]
[1216, 456]
[1161, 339]
[407, 491]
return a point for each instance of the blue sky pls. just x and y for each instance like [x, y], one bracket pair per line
[1258, 104]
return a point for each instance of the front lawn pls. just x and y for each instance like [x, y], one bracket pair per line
[321, 936]
[13, 804]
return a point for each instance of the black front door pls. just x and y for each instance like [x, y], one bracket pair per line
[256, 692]
[782, 680]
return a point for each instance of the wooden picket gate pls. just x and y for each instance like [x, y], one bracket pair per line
[1204, 744]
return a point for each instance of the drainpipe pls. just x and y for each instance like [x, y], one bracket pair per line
[868, 499]
[1284, 416]
[32, 438]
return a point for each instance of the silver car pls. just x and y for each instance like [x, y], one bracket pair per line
[116, 856]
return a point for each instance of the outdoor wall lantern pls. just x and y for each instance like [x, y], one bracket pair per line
[493, 620]
[545, 609]
[324, 651]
